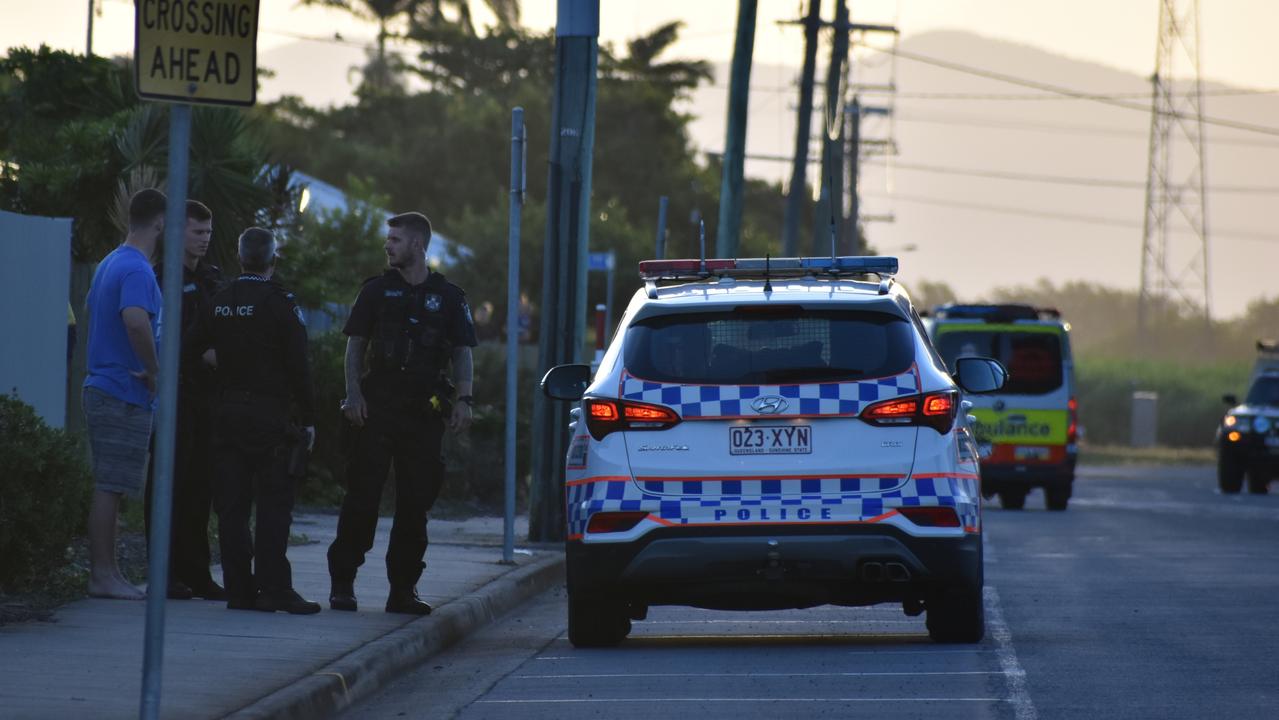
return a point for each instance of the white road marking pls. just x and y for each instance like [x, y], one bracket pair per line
[550, 701]
[862, 621]
[1013, 672]
[759, 675]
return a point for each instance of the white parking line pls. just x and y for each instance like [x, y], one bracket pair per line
[758, 675]
[551, 701]
[863, 621]
[1013, 673]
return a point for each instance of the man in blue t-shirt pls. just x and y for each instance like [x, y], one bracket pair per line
[119, 392]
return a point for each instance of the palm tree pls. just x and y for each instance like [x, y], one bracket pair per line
[381, 73]
[641, 61]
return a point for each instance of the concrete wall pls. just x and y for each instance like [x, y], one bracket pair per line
[35, 271]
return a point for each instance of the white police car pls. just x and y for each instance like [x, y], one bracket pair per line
[769, 434]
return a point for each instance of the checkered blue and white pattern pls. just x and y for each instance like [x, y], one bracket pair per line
[729, 401]
[588, 496]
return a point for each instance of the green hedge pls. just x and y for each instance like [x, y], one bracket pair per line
[1189, 398]
[45, 485]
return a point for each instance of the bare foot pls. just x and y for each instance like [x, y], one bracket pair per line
[115, 589]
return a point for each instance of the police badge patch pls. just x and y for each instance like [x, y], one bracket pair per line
[433, 302]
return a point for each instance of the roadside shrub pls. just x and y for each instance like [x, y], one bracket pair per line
[1189, 398]
[44, 494]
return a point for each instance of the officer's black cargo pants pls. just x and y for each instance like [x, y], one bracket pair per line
[192, 488]
[408, 435]
[251, 456]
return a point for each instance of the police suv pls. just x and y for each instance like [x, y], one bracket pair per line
[771, 434]
[1248, 436]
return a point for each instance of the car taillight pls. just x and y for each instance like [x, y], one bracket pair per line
[936, 411]
[610, 522]
[931, 516]
[1072, 430]
[604, 416]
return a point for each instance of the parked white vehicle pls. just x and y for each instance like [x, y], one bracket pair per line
[769, 434]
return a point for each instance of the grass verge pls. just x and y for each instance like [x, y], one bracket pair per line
[1121, 455]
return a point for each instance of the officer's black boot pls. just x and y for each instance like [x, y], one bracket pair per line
[405, 600]
[342, 595]
[287, 600]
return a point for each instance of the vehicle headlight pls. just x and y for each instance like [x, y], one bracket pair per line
[1261, 424]
[1242, 423]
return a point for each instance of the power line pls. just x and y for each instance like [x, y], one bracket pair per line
[1068, 92]
[1224, 92]
[1078, 129]
[1064, 217]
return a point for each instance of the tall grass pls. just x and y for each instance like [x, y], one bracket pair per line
[1190, 403]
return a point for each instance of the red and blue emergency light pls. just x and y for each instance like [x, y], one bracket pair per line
[688, 269]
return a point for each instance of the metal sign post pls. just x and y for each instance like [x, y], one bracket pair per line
[519, 149]
[179, 59]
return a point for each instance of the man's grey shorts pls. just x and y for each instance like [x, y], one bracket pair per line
[120, 439]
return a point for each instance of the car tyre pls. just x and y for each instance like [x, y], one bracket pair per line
[956, 615]
[1012, 499]
[1057, 497]
[596, 620]
[1258, 482]
[1230, 474]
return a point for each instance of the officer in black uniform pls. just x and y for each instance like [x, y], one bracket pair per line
[192, 482]
[259, 336]
[413, 324]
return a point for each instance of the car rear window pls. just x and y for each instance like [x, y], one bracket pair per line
[754, 345]
[1265, 391]
[1033, 359]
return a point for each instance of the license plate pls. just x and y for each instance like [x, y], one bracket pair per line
[1031, 453]
[771, 440]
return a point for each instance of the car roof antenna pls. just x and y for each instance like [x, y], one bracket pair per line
[768, 284]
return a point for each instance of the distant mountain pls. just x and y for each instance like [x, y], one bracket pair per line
[979, 232]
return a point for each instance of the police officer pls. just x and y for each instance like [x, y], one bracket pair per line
[258, 334]
[192, 482]
[412, 324]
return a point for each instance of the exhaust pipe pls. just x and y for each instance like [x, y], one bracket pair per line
[896, 572]
[872, 572]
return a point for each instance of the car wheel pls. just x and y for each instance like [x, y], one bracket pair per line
[1258, 482]
[1012, 499]
[1057, 497]
[595, 620]
[1229, 474]
[956, 615]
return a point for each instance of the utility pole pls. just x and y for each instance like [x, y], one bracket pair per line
[88, 44]
[803, 130]
[830, 210]
[852, 230]
[729, 231]
[1175, 270]
[564, 257]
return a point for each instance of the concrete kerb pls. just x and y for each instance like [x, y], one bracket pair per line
[364, 671]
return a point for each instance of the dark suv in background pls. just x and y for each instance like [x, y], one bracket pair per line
[1248, 436]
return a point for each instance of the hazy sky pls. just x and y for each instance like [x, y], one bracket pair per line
[1237, 34]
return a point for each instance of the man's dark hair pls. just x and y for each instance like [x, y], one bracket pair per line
[257, 249]
[198, 211]
[145, 207]
[413, 222]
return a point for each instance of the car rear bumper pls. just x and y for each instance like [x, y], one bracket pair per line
[747, 568]
[999, 476]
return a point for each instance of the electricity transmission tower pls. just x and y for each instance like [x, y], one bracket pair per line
[1174, 247]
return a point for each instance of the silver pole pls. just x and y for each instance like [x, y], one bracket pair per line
[88, 45]
[166, 419]
[662, 204]
[513, 323]
[608, 297]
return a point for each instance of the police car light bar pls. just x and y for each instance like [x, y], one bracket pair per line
[691, 269]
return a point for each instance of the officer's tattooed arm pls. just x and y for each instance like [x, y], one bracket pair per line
[353, 407]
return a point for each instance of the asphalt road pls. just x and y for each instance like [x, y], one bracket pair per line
[1152, 597]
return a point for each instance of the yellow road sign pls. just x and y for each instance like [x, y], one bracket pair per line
[196, 51]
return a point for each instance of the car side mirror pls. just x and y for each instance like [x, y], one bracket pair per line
[566, 382]
[1230, 399]
[980, 375]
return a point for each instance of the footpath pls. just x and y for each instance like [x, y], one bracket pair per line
[87, 662]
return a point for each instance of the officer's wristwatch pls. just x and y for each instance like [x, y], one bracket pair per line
[468, 399]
